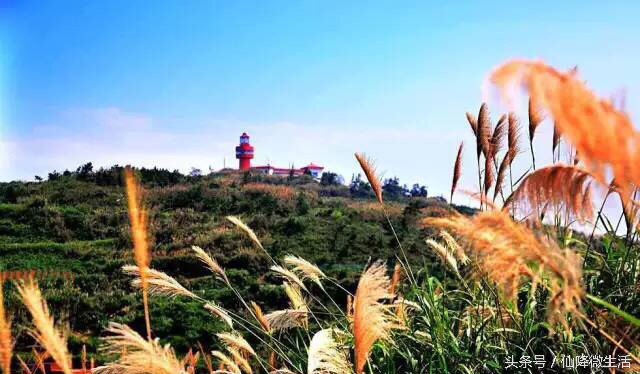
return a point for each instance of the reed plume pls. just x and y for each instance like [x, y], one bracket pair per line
[138, 219]
[509, 253]
[629, 205]
[495, 145]
[513, 137]
[226, 362]
[158, 283]
[6, 342]
[473, 122]
[211, 263]
[560, 186]
[45, 333]
[488, 173]
[457, 170]
[288, 275]
[497, 136]
[219, 312]
[454, 247]
[402, 305]
[479, 134]
[143, 356]
[370, 172]
[602, 135]
[305, 269]
[252, 235]
[372, 320]
[502, 172]
[236, 341]
[295, 296]
[444, 254]
[555, 141]
[264, 323]
[395, 278]
[286, 319]
[242, 362]
[483, 133]
[326, 356]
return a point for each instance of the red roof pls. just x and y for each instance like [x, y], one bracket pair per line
[313, 166]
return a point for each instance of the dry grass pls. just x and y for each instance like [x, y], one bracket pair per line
[242, 362]
[142, 356]
[602, 135]
[280, 192]
[252, 235]
[236, 341]
[372, 320]
[558, 186]
[556, 138]
[294, 293]
[326, 356]
[370, 172]
[473, 122]
[369, 210]
[483, 131]
[138, 219]
[286, 319]
[158, 283]
[288, 275]
[497, 136]
[45, 333]
[488, 174]
[535, 118]
[457, 170]
[513, 137]
[454, 247]
[219, 312]
[226, 363]
[444, 254]
[502, 173]
[211, 263]
[304, 269]
[264, 323]
[508, 253]
[396, 276]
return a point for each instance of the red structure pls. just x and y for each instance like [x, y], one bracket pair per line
[244, 152]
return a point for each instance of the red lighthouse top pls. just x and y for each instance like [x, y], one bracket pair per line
[244, 152]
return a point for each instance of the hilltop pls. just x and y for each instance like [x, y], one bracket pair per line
[77, 222]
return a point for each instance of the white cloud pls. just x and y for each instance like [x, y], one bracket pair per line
[423, 154]
[82, 135]
[108, 117]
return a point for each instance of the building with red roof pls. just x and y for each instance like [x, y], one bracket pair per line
[245, 152]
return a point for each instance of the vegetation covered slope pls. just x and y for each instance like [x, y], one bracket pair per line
[77, 222]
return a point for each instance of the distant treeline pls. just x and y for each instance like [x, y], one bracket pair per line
[159, 177]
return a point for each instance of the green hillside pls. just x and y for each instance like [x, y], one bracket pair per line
[77, 222]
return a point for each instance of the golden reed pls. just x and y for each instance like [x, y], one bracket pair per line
[138, 218]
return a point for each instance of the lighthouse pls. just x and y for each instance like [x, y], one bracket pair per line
[244, 152]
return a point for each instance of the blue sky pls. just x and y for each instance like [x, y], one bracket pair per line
[174, 83]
